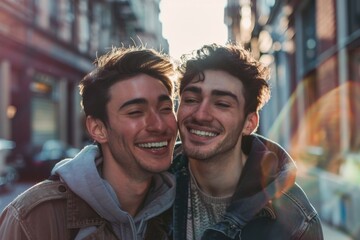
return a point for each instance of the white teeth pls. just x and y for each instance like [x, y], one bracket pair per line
[153, 144]
[203, 133]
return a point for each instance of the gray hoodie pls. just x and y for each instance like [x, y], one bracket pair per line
[82, 176]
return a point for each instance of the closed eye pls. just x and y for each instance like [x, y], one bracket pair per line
[190, 100]
[166, 109]
[223, 105]
[135, 113]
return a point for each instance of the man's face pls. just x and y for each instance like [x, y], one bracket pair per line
[211, 116]
[141, 129]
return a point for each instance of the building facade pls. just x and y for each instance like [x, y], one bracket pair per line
[313, 49]
[47, 47]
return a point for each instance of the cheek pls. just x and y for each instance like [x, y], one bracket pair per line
[182, 113]
[129, 128]
[235, 125]
[171, 122]
[179, 116]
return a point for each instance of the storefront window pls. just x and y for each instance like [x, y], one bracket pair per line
[44, 109]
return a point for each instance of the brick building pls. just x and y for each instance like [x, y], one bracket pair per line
[47, 46]
[313, 49]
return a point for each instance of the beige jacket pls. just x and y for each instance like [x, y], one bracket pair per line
[51, 211]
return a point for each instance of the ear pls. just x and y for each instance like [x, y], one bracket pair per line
[251, 123]
[96, 129]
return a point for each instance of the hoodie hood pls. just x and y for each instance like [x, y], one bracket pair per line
[82, 176]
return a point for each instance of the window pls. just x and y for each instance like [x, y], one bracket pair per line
[309, 40]
[44, 109]
[354, 15]
[53, 14]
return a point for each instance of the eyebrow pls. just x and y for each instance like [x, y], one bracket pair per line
[133, 102]
[213, 92]
[142, 101]
[225, 93]
[164, 98]
[192, 89]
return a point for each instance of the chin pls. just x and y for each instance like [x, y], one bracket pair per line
[160, 167]
[197, 153]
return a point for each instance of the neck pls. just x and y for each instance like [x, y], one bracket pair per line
[218, 177]
[130, 191]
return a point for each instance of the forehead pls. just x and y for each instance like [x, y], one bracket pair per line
[218, 80]
[139, 86]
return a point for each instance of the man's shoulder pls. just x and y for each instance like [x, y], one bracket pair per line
[44, 192]
[295, 214]
[49, 208]
[295, 201]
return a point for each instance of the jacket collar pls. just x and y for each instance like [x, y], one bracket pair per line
[268, 171]
[265, 163]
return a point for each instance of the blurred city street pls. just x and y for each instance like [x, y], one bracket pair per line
[331, 233]
[7, 195]
[311, 48]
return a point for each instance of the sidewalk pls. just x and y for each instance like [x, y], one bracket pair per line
[331, 233]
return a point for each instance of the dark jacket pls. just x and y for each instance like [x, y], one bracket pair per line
[267, 204]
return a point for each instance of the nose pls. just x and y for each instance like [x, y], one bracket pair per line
[203, 113]
[155, 123]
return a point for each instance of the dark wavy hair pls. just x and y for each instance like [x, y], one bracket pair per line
[233, 59]
[117, 65]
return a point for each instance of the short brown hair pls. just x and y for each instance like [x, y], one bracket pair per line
[120, 64]
[235, 60]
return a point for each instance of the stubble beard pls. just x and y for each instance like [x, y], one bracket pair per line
[222, 148]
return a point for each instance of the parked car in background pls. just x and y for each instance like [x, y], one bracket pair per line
[35, 163]
[8, 174]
